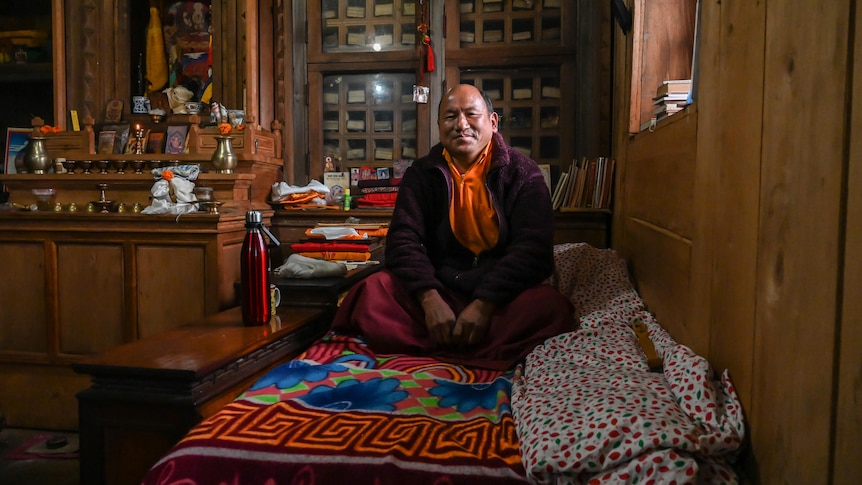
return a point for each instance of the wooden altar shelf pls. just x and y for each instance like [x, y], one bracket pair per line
[236, 191]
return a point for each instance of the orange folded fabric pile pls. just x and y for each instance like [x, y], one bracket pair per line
[333, 250]
[361, 233]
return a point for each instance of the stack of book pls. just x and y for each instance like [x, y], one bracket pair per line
[587, 184]
[671, 97]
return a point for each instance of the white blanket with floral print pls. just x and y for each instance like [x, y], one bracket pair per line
[588, 409]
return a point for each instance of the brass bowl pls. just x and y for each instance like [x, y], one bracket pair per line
[85, 165]
[137, 165]
[154, 164]
[103, 166]
[103, 206]
[120, 165]
[70, 165]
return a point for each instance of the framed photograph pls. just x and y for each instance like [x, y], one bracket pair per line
[121, 137]
[546, 173]
[175, 139]
[114, 111]
[155, 142]
[16, 142]
[106, 142]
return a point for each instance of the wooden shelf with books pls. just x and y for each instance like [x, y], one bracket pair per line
[586, 184]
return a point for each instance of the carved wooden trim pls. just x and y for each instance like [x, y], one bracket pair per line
[89, 59]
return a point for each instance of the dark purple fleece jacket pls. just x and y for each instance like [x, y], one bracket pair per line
[423, 253]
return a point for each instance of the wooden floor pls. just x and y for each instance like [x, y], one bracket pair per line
[36, 471]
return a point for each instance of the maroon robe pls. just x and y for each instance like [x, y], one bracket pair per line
[391, 320]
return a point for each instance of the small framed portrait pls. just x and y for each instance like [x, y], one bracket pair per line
[121, 137]
[106, 142]
[114, 111]
[156, 142]
[175, 139]
[16, 142]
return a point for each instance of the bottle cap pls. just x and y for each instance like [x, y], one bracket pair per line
[253, 217]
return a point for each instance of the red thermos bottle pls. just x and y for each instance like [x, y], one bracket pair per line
[254, 271]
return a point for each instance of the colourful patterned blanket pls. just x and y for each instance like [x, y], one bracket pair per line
[341, 414]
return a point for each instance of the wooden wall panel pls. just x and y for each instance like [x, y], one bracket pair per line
[797, 264]
[848, 422]
[22, 299]
[230, 272]
[659, 264]
[171, 281]
[90, 282]
[659, 183]
[724, 258]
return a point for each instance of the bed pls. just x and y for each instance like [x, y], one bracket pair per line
[583, 407]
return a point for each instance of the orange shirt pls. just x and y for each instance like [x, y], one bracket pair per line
[471, 215]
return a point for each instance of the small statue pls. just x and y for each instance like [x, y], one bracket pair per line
[177, 98]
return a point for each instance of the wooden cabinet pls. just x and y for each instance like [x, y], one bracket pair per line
[146, 395]
[78, 283]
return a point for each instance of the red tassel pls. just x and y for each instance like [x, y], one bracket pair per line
[429, 58]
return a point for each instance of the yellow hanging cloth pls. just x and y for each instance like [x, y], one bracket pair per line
[157, 61]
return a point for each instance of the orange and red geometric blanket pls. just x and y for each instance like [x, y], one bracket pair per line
[341, 414]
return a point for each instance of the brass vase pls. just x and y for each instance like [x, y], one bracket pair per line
[36, 158]
[224, 159]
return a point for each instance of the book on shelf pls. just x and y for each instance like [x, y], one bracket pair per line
[671, 98]
[546, 174]
[674, 86]
[382, 9]
[557, 198]
[522, 35]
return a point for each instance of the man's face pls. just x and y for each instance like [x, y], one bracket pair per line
[465, 125]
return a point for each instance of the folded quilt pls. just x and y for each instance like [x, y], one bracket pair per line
[589, 410]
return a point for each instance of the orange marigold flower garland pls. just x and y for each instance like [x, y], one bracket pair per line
[46, 129]
[167, 175]
[224, 129]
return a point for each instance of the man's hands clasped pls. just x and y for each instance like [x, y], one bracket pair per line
[448, 331]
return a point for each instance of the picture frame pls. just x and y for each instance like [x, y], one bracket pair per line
[114, 111]
[155, 142]
[16, 143]
[175, 139]
[121, 137]
[105, 145]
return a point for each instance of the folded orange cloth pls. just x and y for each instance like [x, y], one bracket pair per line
[362, 233]
[337, 255]
[329, 246]
[302, 198]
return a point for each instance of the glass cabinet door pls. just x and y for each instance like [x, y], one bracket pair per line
[26, 65]
[365, 25]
